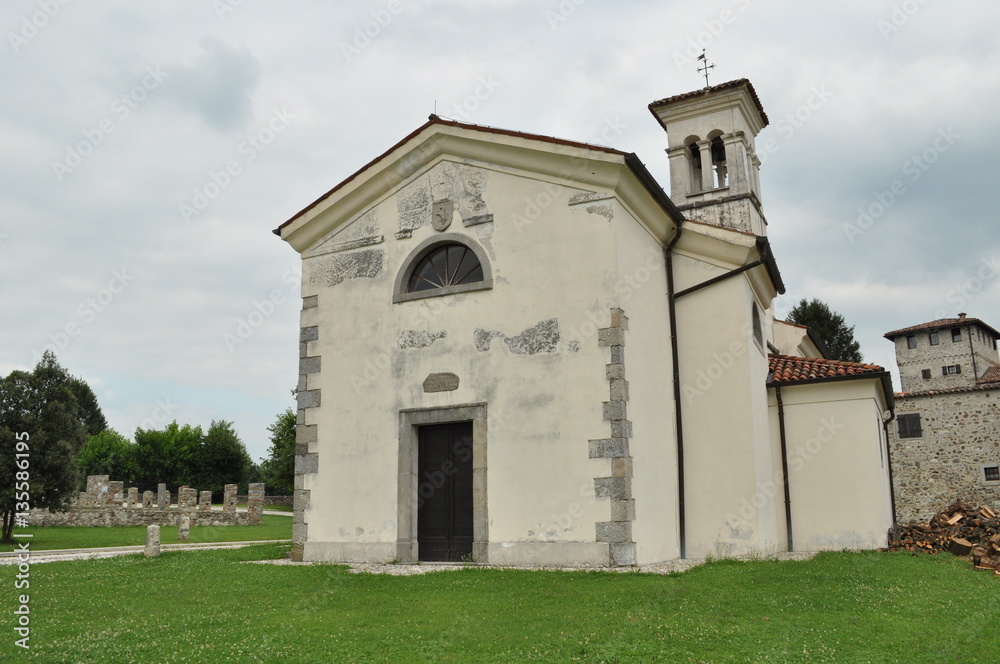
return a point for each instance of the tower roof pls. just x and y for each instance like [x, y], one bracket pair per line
[694, 94]
[941, 324]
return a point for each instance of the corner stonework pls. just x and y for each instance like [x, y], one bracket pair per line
[617, 531]
[306, 434]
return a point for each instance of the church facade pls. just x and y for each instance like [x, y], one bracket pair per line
[517, 349]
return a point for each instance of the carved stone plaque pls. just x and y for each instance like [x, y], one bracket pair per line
[441, 215]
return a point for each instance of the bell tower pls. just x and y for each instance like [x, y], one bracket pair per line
[714, 169]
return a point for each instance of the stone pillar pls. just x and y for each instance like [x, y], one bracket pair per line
[162, 499]
[205, 500]
[97, 489]
[116, 493]
[255, 502]
[84, 500]
[184, 530]
[707, 166]
[147, 499]
[133, 496]
[187, 498]
[152, 541]
[229, 499]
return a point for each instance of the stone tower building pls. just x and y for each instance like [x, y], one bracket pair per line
[946, 440]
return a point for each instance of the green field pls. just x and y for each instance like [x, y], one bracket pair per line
[85, 537]
[208, 606]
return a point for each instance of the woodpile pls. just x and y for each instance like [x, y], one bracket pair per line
[960, 529]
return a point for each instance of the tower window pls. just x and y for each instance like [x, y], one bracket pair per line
[911, 341]
[719, 162]
[951, 369]
[933, 336]
[991, 473]
[926, 373]
[695, 166]
[956, 334]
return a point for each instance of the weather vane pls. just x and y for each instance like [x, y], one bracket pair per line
[703, 69]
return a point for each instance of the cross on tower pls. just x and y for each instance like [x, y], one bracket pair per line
[705, 66]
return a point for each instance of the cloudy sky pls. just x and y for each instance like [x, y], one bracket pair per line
[148, 149]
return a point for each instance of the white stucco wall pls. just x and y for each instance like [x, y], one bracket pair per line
[838, 473]
[543, 408]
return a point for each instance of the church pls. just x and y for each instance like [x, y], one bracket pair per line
[519, 350]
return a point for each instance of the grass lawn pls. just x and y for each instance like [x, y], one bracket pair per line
[207, 606]
[83, 537]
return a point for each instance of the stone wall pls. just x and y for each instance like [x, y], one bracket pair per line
[285, 501]
[123, 516]
[960, 432]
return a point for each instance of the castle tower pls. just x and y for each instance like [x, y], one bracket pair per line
[714, 169]
[945, 354]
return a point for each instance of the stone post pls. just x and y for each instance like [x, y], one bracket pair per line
[184, 530]
[147, 499]
[229, 499]
[162, 500]
[152, 541]
[116, 493]
[255, 502]
[133, 496]
[187, 498]
[205, 500]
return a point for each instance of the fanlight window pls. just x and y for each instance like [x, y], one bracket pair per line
[446, 265]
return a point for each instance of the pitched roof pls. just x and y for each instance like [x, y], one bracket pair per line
[942, 323]
[715, 88]
[438, 120]
[785, 369]
[992, 375]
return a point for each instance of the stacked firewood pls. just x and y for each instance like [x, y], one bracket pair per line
[960, 529]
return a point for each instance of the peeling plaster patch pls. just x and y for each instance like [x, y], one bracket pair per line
[541, 338]
[419, 339]
[574, 346]
[364, 230]
[465, 185]
[586, 197]
[334, 269]
[414, 206]
[484, 230]
[605, 211]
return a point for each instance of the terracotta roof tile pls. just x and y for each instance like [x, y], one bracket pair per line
[942, 323]
[992, 375]
[787, 369]
[721, 86]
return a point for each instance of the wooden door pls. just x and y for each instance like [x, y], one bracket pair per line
[444, 492]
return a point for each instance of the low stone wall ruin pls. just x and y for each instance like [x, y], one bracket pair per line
[106, 503]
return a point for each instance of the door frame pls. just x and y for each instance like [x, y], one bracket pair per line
[406, 518]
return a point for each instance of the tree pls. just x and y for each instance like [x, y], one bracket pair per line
[88, 410]
[278, 470]
[223, 459]
[109, 453]
[831, 328]
[40, 409]
[170, 456]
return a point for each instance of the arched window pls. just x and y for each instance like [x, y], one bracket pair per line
[445, 265]
[441, 265]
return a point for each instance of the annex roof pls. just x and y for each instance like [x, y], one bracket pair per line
[786, 369]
